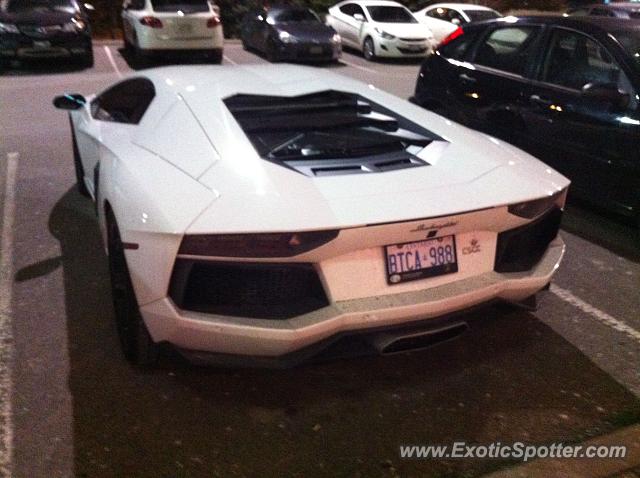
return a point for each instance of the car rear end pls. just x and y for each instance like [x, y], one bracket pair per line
[342, 234]
[180, 25]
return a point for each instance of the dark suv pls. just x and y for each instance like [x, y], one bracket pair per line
[36, 29]
[565, 89]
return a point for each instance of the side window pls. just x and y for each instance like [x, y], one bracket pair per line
[507, 48]
[453, 15]
[438, 13]
[573, 60]
[133, 4]
[601, 12]
[348, 9]
[125, 102]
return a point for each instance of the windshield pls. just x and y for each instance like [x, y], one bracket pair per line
[186, 6]
[630, 41]
[290, 16]
[479, 15]
[391, 15]
[67, 6]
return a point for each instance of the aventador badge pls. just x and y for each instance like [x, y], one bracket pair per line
[473, 248]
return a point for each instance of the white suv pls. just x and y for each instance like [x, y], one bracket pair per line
[159, 26]
[380, 28]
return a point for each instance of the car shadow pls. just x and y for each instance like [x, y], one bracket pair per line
[508, 378]
[137, 63]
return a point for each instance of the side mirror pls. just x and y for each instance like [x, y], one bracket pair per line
[359, 17]
[69, 102]
[455, 21]
[607, 93]
[89, 7]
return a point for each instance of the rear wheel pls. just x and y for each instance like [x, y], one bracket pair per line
[369, 49]
[216, 57]
[136, 342]
[87, 59]
[271, 52]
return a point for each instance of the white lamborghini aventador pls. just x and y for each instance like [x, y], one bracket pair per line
[274, 213]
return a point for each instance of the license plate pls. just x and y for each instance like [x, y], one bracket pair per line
[41, 44]
[418, 260]
[184, 28]
[414, 47]
[315, 50]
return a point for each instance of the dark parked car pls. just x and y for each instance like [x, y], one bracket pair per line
[626, 10]
[36, 29]
[564, 89]
[290, 33]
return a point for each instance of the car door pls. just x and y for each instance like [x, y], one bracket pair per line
[489, 88]
[590, 139]
[348, 27]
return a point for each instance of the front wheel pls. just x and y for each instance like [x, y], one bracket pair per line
[136, 342]
[369, 49]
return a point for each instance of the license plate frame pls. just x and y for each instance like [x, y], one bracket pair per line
[315, 50]
[398, 275]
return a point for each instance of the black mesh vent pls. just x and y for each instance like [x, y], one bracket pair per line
[520, 249]
[261, 291]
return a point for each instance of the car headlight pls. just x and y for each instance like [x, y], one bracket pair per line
[336, 39]
[75, 25]
[8, 28]
[286, 37]
[383, 34]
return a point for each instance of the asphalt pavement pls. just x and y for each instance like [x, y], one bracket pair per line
[71, 406]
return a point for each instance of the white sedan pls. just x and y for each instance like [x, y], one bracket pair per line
[380, 28]
[272, 213]
[444, 18]
[159, 27]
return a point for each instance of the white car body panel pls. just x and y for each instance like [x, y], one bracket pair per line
[354, 32]
[442, 28]
[189, 168]
[180, 31]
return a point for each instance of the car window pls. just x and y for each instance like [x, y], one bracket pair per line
[602, 12]
[479, 15]
[390, 14]
[439, 13]
[15, 6]
[455, 15]
[507, 48]
[185, 6]
[125, 102]
[134, 4]
[579, 12]
[351, 9]
[574, 60]
[458, 48]
[295, 16]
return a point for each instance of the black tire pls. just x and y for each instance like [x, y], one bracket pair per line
[137, 345]
[77, 162]
[271, 53]
[215, 57]
[369, 49]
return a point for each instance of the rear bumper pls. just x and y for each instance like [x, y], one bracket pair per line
[309, 52]
[268, 339]
[23, 47]
[149, 40]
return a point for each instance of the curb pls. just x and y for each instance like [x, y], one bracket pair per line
[584, 467]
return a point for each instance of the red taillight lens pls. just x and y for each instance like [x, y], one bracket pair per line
[286, 244]
[458, 32]
[213, 22]
[151, 22]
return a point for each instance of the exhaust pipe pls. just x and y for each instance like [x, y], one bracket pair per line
[394, 343]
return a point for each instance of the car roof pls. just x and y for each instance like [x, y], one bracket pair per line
[459, 6]
[372, 3]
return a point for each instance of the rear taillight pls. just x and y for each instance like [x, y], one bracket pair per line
[213, 22]
[458, 32]
[151, 22]
[286, 244]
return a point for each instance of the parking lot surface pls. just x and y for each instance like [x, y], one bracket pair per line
[566, 372]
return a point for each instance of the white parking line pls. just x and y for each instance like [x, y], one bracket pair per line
[229, 60]
[6, 333]
[355, 65]
[594, 312]
[107, 50]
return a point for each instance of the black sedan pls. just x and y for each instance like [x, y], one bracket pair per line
[564, 89]
[36, 29]
[290, 33]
